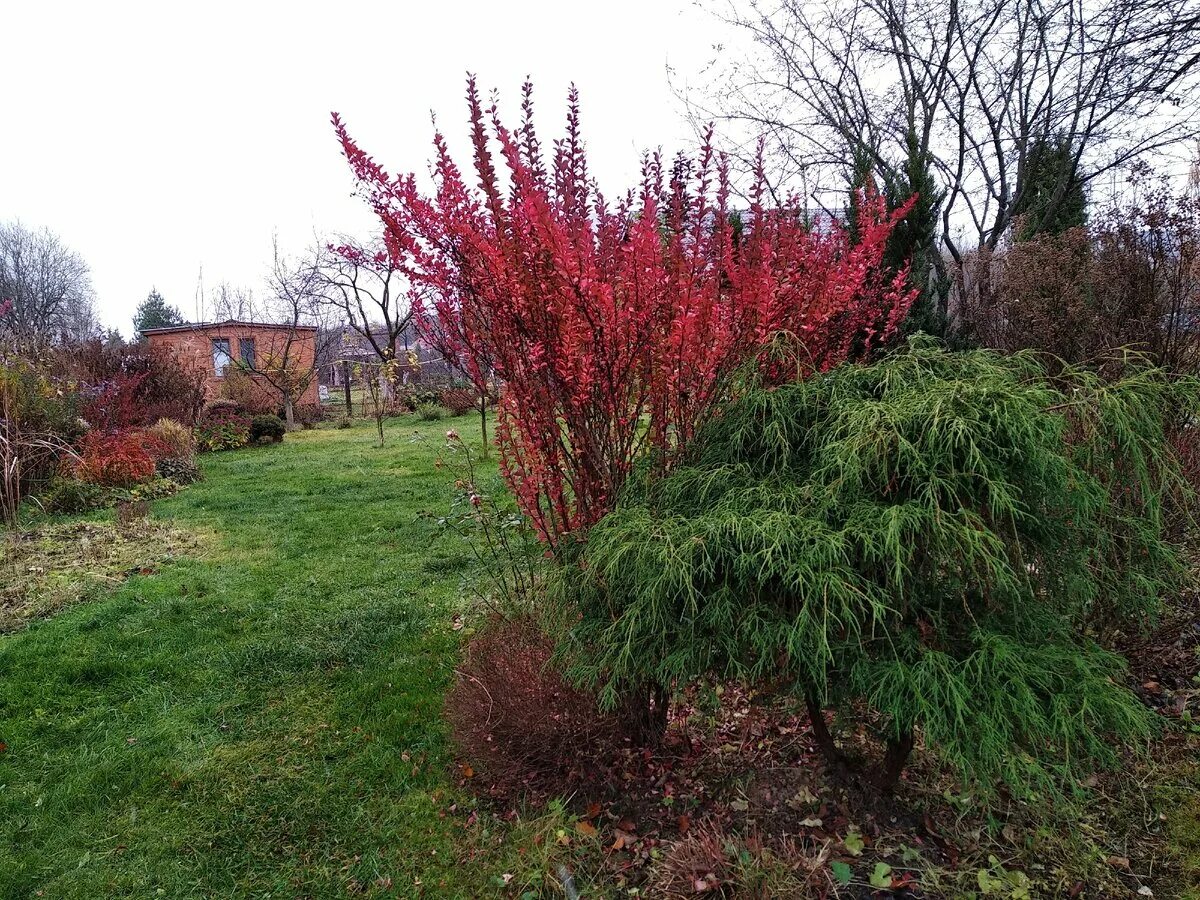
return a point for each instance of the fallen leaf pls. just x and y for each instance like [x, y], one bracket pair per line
[811, 823]
[882, 876]
[739, 805]
[802, 797]
[853, 842]
[468, 772]
[586, 828]
[841, 872]
[684, 823]
[1119, 862]
[593, 810]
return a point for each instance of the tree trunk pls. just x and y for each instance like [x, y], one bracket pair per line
[483, 422]
[346, 389]
[896, 755]
[289, 411]
[644, 713]
[898, 750]
[825, 742]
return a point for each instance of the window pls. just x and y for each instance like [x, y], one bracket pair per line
[221, 358]
[246, 351]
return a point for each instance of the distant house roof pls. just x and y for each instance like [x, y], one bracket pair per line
[240, 323]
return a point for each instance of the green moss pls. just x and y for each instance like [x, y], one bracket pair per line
[1179, 801]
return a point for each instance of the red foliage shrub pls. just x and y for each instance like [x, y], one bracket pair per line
[596, 315]
[114, 403]
[459, 401]
[128, 387]
[157, 447]
[114, 459]
[516, 719]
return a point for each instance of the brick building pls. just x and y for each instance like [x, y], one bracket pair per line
[213, 348]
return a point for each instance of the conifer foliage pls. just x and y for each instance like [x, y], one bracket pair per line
[927, 538]
[600, 314]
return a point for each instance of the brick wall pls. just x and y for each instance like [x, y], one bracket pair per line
[194, 348]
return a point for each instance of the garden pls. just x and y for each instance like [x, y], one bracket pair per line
[735, 560]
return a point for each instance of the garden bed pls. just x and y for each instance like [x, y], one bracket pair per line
[738, 802]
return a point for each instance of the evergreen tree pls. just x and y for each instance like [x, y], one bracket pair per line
[914, 240]
[1054, 198]
[155, 312]
[933, 538]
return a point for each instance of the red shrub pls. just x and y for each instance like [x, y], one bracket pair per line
[130, 386]
[514, 717]
[114, 459]
[459, 401]
[156, 447]
[597, 316]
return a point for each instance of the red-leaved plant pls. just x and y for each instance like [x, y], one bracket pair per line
[614, 325]
[114, 459]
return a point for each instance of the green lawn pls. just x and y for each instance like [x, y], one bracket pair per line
[263, 720]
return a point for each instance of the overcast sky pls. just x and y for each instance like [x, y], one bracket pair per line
[159, 138]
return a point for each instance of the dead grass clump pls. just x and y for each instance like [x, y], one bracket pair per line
[55, 566]
[712, 862]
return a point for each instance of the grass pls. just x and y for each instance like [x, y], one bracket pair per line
[259, 714]
[259, 720]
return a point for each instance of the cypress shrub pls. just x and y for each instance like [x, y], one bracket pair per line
[936, 538]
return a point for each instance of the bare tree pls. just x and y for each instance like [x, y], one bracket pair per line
[230, 302]
[45, 284]
[292, 300]
[365, 290]
[986, 88]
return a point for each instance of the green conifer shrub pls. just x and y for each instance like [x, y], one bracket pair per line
[931, 538]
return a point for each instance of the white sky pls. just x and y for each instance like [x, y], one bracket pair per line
[157, 138]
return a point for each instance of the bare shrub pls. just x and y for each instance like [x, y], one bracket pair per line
[1131, 279]
[513, 716]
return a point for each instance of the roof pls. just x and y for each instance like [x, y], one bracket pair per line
[240, 323]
